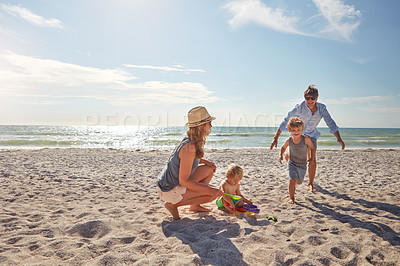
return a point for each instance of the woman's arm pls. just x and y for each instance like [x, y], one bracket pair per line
[187, 155]
[208, 163]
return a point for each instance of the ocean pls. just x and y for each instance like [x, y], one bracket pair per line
[14, 137]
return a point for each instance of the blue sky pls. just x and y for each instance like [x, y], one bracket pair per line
[148, 62]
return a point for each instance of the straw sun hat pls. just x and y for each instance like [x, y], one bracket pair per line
[198, 116]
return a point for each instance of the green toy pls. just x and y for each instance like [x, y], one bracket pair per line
[272, 218]
[220, 204]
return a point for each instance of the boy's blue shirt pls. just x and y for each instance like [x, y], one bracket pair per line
[310, 121]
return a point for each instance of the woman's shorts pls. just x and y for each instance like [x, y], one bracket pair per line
[173, 196]
[297, 171]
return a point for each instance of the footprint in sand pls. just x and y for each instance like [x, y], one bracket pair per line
[316, 240]
[90, 229]
[339, 253]
[13, 240]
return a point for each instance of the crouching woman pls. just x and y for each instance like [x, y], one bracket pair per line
[186, 177]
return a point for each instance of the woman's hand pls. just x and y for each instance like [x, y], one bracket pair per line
[218, 192]
[209, 164]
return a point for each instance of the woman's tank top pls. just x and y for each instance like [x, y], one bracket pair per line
[169, 177]
[298, 152]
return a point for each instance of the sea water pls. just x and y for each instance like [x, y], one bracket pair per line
[166, 138]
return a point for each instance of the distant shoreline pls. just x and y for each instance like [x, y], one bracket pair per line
[206, 150]
[166, 138]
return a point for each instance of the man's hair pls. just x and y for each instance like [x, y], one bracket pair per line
[234, 170]
[311, 90]
[295, 122]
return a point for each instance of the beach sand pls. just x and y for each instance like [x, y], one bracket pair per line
[100, 207]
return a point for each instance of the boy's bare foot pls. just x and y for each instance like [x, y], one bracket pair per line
[311, 188]
[198, 208]
[173, 210]
[291, 201]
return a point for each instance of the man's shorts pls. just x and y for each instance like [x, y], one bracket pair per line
[297, 171]
[314, 142]
[173, 196]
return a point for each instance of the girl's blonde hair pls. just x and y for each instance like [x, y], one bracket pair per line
[234, 170]
[198, 138]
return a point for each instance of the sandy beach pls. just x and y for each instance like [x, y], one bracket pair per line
[100, 207]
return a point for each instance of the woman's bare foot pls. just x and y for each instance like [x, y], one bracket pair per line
[291, 201]
[198, 208]
[173, 210]
[311, 188]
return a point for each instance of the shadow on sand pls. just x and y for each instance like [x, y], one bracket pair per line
[380, 229]
[209, 238]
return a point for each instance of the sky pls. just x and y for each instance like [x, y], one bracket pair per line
[148, 62]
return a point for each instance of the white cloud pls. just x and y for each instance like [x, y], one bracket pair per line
[290, 103]
[165, 68]
[342, 19]
[155, 92]
[383, 110]
[365, 99]
[335, 20]
[32, 77]
[247, 11]
[29, 16]
[360, 60]
[8, 32]
[375, 104]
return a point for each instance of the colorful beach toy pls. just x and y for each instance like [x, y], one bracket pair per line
[247, 209]
[250, 214]
[251, 208]
[240, 209]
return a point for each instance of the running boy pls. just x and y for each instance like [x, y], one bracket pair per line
[297, 144]
[231, 185]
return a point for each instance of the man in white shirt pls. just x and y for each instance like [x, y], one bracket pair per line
[311, 113]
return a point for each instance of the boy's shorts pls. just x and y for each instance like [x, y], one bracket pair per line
[173, 196]
[297, 171]
[235, 200]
